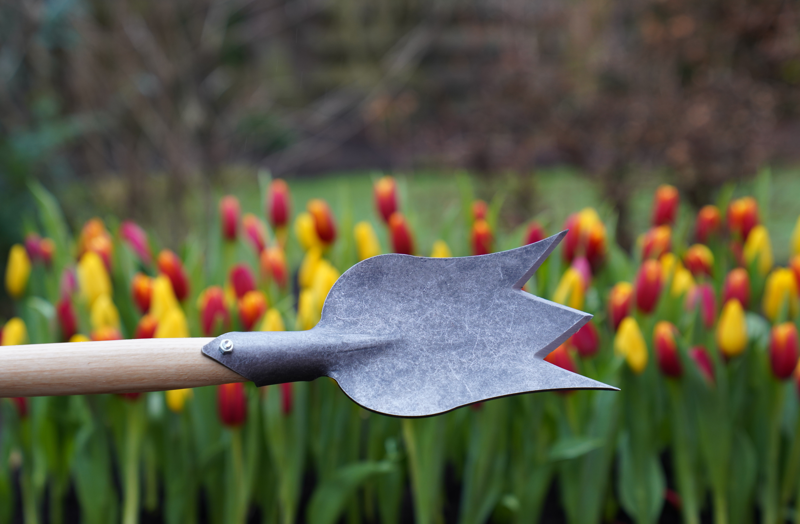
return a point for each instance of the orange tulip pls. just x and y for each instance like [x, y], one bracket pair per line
[699, 260]
[708, 223]
[47, 250]
[619, 303]
[146, 328]
[667, 349]
[783, 350]
[252, 307]
[91, 229]
[656, 242]
[742, 217]
[171, 265]
[142, 291]
[481, 237]
[665, 206]
[586, 237]
[795, 266]
[479, 210]
[323, 220]
[534, 233]
[737, 286]
[103, 246]
[106, 333]
[386, 197]
[561, 357]
[648, 286]
[400, 233]
[273, 265]
[214, 317]
[229, 216]
[278, 203]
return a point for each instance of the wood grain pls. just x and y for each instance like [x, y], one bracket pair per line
[118, 366]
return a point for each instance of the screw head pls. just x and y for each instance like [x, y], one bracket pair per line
[226, 346]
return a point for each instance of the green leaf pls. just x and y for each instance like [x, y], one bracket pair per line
[331, 497]
[574, 447]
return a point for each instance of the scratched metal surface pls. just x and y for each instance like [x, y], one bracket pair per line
[412, 336]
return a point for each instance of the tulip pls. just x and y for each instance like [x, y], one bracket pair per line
[164, 299]
[648, 286]
[306, 232]
[232, 404]
[586, 340]
[667, 349]
[21, 404]
[242, 279]
[171, 265]
[67, 318]
[79, 338]
[18, 271]
[570, 289]
[795, 265]
[758, 249]
[586, 236]
[176, 399]
[581, 265]
[732, 329]
[142, 291]
[104, 247]
[146, 328]
[794, 247]
[699, 260]
[479, 210]
[737, 286]
[656, 242]
[665, 206]
[91, 229]
[136, 238]
[104, 313]
[286, 398]
[68, 283]
[172, 325]
[441, 250]
[629, 343]
[703, 295]
[14, 333]
[367, 243]
[324, 223]
[400, 234]
[783, 350]
[47, 250]
[780, 290]
[481, 238]
[560, 357]
[703, 361]
[273, 265]
[707, 225]
[324, 279]
[32, 247]
[670, 264]
[386, 197]
[534, 233]
[254, 232]
[307, 309]
[682, 282]
[106, 333]
[278, 203]
[742, 217]
[214, 317]
[272, 321]
[619, 303]
[305, 275]
[252, 307]
[229, 216]
[93, 277]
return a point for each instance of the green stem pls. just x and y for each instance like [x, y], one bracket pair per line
[29, 507]
[424, 484]
[793, 467]
[239, 495]
[133, 446]
[57, 489]
[720, 507]
[771, 502]
[682, 456]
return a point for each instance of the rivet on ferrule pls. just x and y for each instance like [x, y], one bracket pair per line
[226, 346]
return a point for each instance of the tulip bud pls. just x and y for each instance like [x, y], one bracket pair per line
[682, 282]
[596, 246]
[307, 309]
[665, 205]
[229, 216]
[794, 246]
[783, 350]
[171, 265]
[163, 297]
[278, 203]
[656, 242]
[69, 283]
[172, 325]
[67, 318]
[272, 321]
[254, 232]
[142, 291]
[481, 238]
[367, 243]
[570, 289]
[32, 247]
[308, 268]
[176, 399]
[15, 333]
[581, 265]
[700, 356]
[648, 286]
[586, 340]
[534, 233]
[699, 260]
[708, 223]
[324, 279]
[286, 398]
[386, 197]
[781, 288]
[619, 303]
[273, 265]
[324, 223]
[232, 404]
[586, 236]
[91, 229]
[737, 286]
[561, 357]
[136, 238]
[104, 313]
[214, 317]
[104, 247]
[306, 232]
[732, 329]
[479, 210]
[47, 250]
[106, 333]
[79, 338]
[758, 248]
[93, 277]
[629, 343]
[146, 328]
[21, 404]
[441, 250]
[252, 307]
[402, 241]
[18, 271]
[742, 217]
[242, 279]
[667, 349]
[704, 297]
[795, 265]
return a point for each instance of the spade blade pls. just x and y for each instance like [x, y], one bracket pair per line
[412, 336]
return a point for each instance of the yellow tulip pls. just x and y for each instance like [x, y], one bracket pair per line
[308, 268]
[163, 298]
[570, 289]
[441, 250]
[324, 279]
[176, 399]
[670, 265]
[172, 325]
[781, 288]
[93, 278]
[307, 312]
[796, 238]
[682, 282]
[306, 232]
[732, 329]
[18, 271]
[77, 337]
[104, 314]
[15, 333]
[629, 343]
[758, 247]
[272, 321]
[366, 241]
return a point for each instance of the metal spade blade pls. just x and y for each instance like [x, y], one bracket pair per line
[411, 336]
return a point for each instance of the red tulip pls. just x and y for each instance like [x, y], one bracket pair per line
[323, 220]
[69, 283]
[707, 225]
[146, 328]
[286, 398]
[648, 286]
[699, 260]
[534, 233]
[278, 203]
[783, 350]
[479, 210]
[273, 265]
[47, 250]
[171, 265]
[254, 232]
[386, 197]
[402, 241]
[665, 206]
[22, 406]
[252, 307]
[586, 236]
[795, 265]
[667, 349]
[214, 317]
[67, 318]
[704, 295]
[700, 356]
[130, 397]
[136, 238]
[142, 291]
[232, 404]
[32, 241]
[619, 303]
[742, 217]
[481, 238]
[560, 357]
[656, 242]
[229, 215]
[586, 340]
[737, 285]
[242, 279]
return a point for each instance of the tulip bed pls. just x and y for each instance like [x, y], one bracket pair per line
[697, 327]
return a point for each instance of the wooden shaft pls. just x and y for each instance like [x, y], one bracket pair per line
[116, 366]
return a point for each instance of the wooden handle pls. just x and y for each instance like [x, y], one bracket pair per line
[117, 366]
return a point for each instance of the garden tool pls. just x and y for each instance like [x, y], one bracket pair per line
[401, 335]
